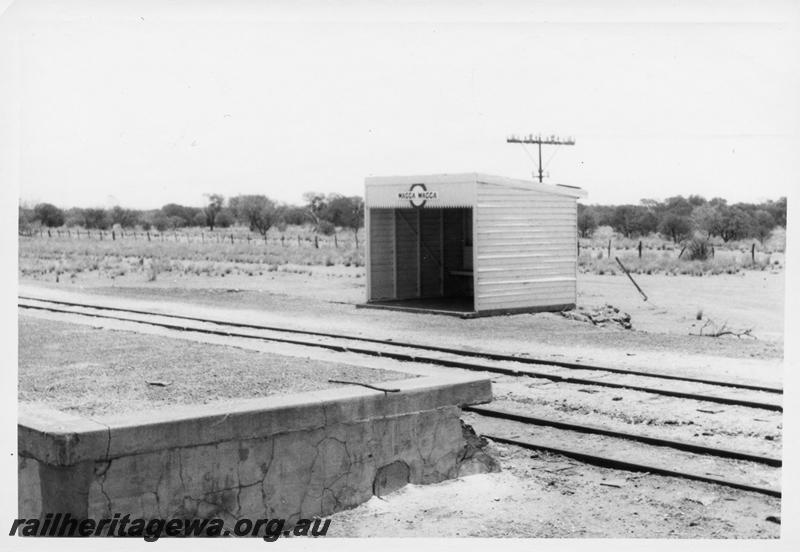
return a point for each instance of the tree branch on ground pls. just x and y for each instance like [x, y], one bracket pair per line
[715, 330]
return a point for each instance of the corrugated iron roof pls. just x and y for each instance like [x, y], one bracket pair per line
[473, 178]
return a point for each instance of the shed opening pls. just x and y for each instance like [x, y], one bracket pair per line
[422, 258]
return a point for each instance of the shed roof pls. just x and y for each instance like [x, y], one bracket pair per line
[474, 178]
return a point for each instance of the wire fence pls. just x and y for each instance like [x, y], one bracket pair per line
[299, 237]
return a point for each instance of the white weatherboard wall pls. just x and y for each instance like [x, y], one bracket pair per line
[526, 248]
[524, 239]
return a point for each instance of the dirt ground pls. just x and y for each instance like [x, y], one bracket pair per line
[663, 335]
[748, 300]
[536, 494]
[94, 372]
[548, 496]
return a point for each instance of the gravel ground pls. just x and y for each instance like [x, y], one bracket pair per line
[718, 425]
[300, 302]
[548, 496]
[543, 335]
[99, 371]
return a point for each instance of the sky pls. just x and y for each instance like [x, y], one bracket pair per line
[143, 103]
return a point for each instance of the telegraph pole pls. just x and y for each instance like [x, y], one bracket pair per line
[539, 140]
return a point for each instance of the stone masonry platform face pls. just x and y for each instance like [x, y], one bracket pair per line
[293, 456]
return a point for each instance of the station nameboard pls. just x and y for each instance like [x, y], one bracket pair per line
[418, 195]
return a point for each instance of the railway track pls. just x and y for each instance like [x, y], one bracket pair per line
[523, 360]
[671, 386]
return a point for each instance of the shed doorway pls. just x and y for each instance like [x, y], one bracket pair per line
[422, 259]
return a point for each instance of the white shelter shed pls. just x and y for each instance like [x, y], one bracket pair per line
[470, 244]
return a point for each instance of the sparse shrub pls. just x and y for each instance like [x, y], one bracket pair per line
[152, 271]
[698, 249]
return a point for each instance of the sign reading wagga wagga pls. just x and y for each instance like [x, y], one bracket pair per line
[418, 194]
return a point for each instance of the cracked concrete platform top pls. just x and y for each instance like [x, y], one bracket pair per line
[61, 438]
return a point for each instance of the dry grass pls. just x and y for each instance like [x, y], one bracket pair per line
[65, 257]
[214, 255]
[668, 263]
[661, 256]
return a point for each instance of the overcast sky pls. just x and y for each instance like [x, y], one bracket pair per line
[143, 104]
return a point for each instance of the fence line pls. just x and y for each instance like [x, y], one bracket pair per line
[309, 240]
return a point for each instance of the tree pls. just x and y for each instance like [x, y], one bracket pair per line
[224, 219]
[74, 217]
[778, 211]
[174, 211]
[587, 223]
[707, 219]
[316, 204]
[678, 205]
[736, 224]
[696, 200]
[215, 202]
[623, 220]
[763, 223]
[160, 221]
[644, 221]
[97, 218]
[24, 220]
[346, 212]
[48, 215]
[259, 212]
[200, 219]
[126, 218]
[675, 226]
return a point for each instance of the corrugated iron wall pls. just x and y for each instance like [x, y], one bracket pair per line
[431, 237]
[406, 270]
[381, 254]
[526, 248]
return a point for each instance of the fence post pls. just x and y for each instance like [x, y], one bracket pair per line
[640, 249]
[148, 235]
[753, 253]
[609, 249]
[231, 238]
[335, 240]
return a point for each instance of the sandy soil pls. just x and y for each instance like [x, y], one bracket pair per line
[94, 372]
[537, 494]
[750, 299]
[543, 495]
[325, 301]
[724, 426]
